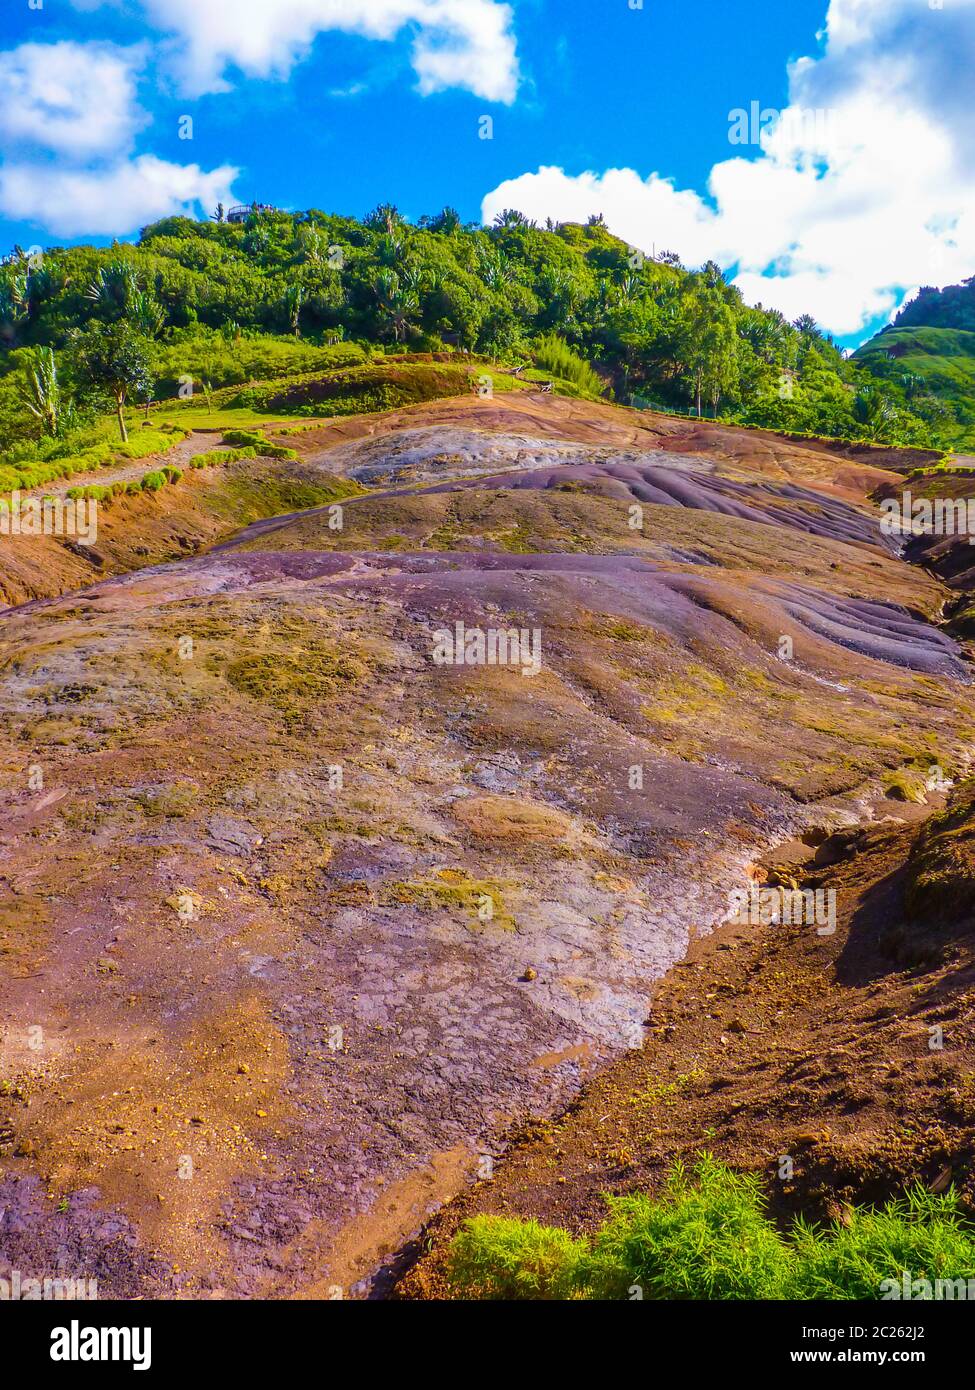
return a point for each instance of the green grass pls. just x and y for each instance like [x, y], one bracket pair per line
[387, 384]
[215, 457]
[106, 493]
[707, 1236]
[554, 355]
[85, 453]
[939, 362]
[497, 1258]
[250, 439]
[383, 384]
[921, 1234]
[211, 357]
[197, 415]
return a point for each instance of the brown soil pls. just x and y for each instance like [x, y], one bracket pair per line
[335, 998]
[768, 1042]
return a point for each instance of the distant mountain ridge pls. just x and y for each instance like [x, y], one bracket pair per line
[951, 307]
[928, 353]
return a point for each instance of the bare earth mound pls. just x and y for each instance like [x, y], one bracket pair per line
[297, 920]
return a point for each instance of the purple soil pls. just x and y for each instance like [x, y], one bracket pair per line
[448, 1043]
[762, 502]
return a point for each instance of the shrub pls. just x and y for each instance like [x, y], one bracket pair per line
[922, 1234]
[152, 482]
[708, 1237]
[244, 438]
[94, 491]
[217, 456]
[555, 356]
[494, 1258]
[262, 447]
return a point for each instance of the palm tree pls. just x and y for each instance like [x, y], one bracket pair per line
[400, 303]
[446, 222]
[294, 299]
[510, 219]
[113, 287]
[495, 269]
[145, 314]
[386, 217]
[14, 304]
[42, 393]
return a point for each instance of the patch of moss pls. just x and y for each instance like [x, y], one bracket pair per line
[173, 801]
[700, 694]
[941, 868]
[292, 680]
[905, 785]
[622, 631]
[452, 890]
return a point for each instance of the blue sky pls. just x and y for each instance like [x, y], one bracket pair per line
[342, 104]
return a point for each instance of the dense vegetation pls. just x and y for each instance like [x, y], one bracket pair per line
[207, 305]
[952, 307]
[707, 1236]
[926, 359]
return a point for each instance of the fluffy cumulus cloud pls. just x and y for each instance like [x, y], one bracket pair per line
[105, 201]
[468, 44]
[69, 114]
[77, 99]
[861, 190]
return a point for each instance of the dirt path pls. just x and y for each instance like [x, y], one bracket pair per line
[178, 457]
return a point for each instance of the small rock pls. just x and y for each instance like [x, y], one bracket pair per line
[529, 975]
[942, 1181]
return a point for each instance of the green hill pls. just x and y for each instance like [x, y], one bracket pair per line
[952, 307]
[926, 358]
[202, 307]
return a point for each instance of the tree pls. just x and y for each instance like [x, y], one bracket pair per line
[113, 287]
[446, 222]
[807, 326]
[398, 302]
[709, 345]
[386, 217]
[114, 358]
[294, 298]
[42, 393]
[511, 220]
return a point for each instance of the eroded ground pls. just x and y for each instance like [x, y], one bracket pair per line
[296, 923]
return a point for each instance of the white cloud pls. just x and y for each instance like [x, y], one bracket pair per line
[458, 43]
[69, 114]
[834, 216]
[107, 201]
[75, 98]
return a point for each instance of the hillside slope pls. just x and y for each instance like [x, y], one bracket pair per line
[283, 294]
[309, 917]
[927, 355]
